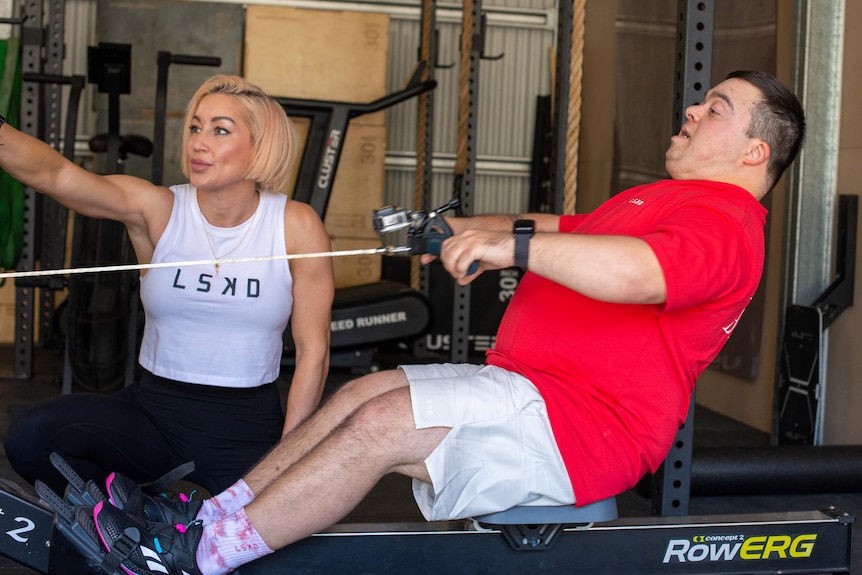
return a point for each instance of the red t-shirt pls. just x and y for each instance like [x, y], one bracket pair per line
[617, 378]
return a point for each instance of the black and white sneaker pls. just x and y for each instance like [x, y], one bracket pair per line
[137, 547]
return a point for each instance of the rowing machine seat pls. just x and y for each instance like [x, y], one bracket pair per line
[535, 528]
[604, 510]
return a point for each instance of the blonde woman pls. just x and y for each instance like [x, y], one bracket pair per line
[212, 344]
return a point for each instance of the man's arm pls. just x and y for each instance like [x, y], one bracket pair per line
[503, 222]
[616, 269]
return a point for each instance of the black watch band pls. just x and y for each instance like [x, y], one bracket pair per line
[523, 231]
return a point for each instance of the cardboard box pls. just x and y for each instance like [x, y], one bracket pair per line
[355, 270]
[358, 186]
[318, 54]
[336, 56]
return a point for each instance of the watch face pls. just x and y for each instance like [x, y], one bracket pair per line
[524, 226]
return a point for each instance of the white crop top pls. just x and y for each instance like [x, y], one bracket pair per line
[220, 326]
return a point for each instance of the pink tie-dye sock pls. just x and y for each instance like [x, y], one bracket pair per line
[229, 543]
[226, 503]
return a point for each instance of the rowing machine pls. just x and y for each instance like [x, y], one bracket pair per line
[41, 537]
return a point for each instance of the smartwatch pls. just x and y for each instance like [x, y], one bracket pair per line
[523, 231]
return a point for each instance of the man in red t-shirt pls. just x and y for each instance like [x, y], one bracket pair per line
[595, 360]
[627, 371]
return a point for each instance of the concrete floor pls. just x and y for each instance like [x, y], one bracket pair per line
[391, 501]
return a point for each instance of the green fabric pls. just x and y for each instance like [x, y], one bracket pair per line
[11, 190]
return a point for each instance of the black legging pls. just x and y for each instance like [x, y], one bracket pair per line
[146, 430]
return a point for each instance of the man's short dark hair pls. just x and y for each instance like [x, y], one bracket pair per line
[779, 120]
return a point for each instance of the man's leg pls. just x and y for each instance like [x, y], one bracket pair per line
[376, 438]
[321, 488]
[296, 444]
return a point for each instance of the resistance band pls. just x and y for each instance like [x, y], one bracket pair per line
[388, 250]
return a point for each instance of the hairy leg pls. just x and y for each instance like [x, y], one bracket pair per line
[295, 445]
[321, 488]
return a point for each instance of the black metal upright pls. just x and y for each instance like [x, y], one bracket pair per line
[465, 165]
[163, 64]
[420, 276]
[42, 50]
[560, 113]
[54, 216]
[672, 483]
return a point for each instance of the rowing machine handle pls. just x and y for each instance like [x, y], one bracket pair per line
[431, 242]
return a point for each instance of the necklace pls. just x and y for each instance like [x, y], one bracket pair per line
[210, 229]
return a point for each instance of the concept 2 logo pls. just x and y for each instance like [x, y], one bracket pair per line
[739, 547]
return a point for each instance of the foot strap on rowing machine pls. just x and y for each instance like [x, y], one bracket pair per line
[72, 530]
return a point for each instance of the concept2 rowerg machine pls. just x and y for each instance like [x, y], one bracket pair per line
[43, 535]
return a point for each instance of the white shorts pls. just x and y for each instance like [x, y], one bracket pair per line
[500, 452]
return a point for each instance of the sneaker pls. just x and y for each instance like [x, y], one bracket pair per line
[149, 503]
[138, 547]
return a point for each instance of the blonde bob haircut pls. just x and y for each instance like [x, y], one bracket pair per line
[272, 135]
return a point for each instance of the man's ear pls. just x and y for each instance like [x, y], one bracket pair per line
[758, 153]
